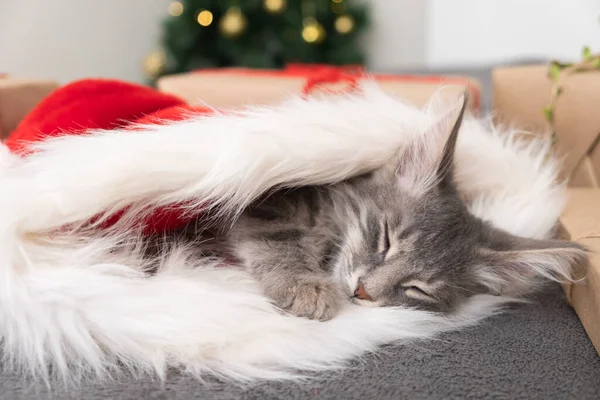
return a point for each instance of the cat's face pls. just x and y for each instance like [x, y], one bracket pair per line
[410, 241]
[407, 251]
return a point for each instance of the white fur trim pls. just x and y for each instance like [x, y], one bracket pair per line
[64, 300]
[7, 159]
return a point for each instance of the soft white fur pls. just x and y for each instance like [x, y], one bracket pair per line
[66, 301]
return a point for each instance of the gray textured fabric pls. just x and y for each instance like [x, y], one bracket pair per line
[534, 351]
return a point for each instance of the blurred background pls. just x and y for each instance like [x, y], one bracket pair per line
[136, 40]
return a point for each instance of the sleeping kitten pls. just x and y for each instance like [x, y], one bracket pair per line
[399, 236]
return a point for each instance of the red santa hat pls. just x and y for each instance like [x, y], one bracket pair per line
[91, 104]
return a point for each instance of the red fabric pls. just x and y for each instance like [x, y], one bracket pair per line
[91, 104]
[103, 104]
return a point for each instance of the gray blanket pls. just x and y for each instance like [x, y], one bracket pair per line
[533, 351]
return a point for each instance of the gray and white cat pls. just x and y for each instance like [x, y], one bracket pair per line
[398, 236]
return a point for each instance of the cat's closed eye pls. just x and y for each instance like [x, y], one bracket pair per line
[385, 245]
[416, 290]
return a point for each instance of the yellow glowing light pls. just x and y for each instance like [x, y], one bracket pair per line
[205, 18]
[155, 63]
[313, 31]
[344, 24]
[176, 8]
[310, 33]
[233, 22]
[337, 1]
[274, 6]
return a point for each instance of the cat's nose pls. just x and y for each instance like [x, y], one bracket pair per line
[361, 293]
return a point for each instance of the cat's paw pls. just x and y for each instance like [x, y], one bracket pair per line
[320, 301]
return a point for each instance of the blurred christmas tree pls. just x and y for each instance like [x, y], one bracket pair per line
[258, 34]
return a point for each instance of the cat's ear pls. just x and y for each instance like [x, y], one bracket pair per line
[450, 123]
[518, 266]
[428, 160]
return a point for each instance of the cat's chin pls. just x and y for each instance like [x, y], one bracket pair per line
[365, 303]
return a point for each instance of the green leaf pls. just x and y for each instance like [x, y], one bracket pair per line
[586, 53]
[554, 71]
[597, 63]
[549, 113]
[564, 65]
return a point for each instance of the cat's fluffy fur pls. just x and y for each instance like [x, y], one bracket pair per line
[76, 299]
[397, 236]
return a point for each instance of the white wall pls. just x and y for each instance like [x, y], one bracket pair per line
[71, 39]
[398, 33]
[487, 32]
